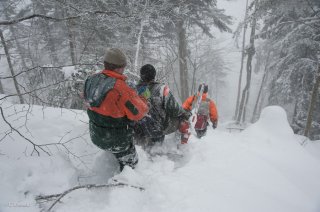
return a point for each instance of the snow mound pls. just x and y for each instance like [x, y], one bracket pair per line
[272, 139]
[69, 71]
[272, 122]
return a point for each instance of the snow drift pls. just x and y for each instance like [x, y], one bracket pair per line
[263, 168]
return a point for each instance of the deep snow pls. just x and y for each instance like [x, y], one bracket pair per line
[263, 168]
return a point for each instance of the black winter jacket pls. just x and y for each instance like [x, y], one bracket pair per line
[165, 113]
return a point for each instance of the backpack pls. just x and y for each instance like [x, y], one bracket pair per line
[151, 125]
[96, 88]
[202, 115]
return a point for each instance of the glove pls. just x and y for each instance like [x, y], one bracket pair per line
[186, 115]
[214, 124]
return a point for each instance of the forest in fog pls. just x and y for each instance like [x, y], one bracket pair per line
[48, 48]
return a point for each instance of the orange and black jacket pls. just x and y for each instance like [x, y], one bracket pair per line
[111, 123]
[187, 105]
[121, 101]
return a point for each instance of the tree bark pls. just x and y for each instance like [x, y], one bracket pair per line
[312, 103]
[1, 88]
[182, 53]
[254, 114]
[71, 38]
[6, 50]
[242, 60]
[246, 90]
[249, 67]
[136, 58]
[48, 34]
[19, 47]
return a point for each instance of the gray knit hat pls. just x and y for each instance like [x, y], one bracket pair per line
[116, 57]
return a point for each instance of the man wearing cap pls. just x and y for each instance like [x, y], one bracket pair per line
[112, 118]
[165, 114]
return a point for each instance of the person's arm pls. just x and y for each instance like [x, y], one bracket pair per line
[213, 114]
[135, 106]
[174, 109]
[187, 105]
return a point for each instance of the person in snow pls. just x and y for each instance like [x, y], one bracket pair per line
[165, 114]
[207, 110]
[114, 106]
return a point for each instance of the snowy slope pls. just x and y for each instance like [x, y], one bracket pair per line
[263, 168]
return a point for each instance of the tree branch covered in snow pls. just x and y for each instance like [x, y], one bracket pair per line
[18, 20]
[47, 67]
[291, 27]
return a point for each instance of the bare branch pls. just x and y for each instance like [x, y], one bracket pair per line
[35, 146]
[88, 186]
[11, 95]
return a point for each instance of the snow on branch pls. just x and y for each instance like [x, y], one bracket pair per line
[37, 89]
[48, 67]
[57, 197]
[18, 20]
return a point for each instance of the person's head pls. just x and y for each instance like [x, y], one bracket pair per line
[205, 89]
[115, 60]
[147, 73]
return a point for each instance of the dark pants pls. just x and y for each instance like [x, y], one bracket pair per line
[118, 141]
[128, 157]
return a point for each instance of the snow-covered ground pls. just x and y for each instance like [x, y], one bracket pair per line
[263, 168]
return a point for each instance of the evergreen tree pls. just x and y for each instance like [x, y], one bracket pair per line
[293, 29]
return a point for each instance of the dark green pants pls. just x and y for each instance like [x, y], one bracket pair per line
[118, 140]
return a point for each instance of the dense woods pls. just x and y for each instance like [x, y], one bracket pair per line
[288, 56]
[49, 47]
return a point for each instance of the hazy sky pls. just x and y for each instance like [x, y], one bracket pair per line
[236, 9]
[233, 8]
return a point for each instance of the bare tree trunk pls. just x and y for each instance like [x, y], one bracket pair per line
[251, 52]
[194, 71]
[254, 114]
[193, 88]
[242, 60]
[312, 103]
[246, 90]
[1, 88]
[71, 38]
[136, 58]
[19, 47]
[70, 25]
[48, 33]
[6, 50]
[52, 48]
[182, 52]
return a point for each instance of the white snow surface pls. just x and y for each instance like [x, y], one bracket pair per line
[264, 168]
[68, 71]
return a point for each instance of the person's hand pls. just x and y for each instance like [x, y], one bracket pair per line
[214, 124]
[186, 115]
